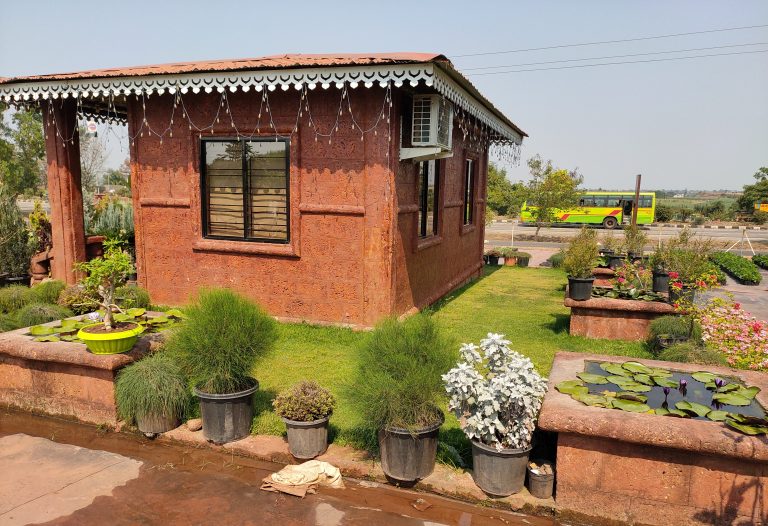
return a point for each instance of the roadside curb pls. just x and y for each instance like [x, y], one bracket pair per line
[354, 463]
[671, 225]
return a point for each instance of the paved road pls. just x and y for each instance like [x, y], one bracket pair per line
[64, 473]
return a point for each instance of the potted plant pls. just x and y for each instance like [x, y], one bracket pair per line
[218, 346]
[634, 241]
[510, 255]
[523, 258]
[306, 409]
[580, 259]
[398, 390]
[689, 267]
[496, 394]
[492, 257]
[659, 262]
[104, 275]
[609, 245]
[153, 393]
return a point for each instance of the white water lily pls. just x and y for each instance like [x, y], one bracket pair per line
[496, 396]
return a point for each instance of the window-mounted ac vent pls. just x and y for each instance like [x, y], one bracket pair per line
[431, 128]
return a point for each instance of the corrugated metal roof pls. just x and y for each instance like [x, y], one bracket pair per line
[250, 64]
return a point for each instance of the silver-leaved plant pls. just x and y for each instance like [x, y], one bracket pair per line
[495, 393]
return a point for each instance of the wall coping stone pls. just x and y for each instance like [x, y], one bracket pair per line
[651, 307]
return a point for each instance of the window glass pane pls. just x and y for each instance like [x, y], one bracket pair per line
[224, 188]
[420, 196]
[646, 201]
[267, 189]
[469, 190]
[587, 201]
[432, 186]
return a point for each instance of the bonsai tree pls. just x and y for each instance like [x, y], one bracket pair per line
[581, 255]
[104, 275]
[306, 401]
[151, 390]
[16, 248]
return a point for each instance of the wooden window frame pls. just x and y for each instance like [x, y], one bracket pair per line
[422, 180]
[470, 182]
[204, 198]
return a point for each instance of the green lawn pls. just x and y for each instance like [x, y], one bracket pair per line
[526, 304]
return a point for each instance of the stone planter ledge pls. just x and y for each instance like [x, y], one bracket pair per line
[612, 304]
[561, 413]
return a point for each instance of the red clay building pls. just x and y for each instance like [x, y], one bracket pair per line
[329, 188]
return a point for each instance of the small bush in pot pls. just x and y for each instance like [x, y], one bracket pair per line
[306, 408]
[510, 255]
[634, 241]
[669, 330]
[492, 257]
[218, 346]
[523, 258]
[398, 391]
[153, 393]
[496, 394]
[580, 259]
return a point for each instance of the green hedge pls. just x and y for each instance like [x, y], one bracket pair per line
[761, 260]
[738, 267]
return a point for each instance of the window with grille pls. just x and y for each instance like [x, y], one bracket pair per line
[245, 189]
[422, 120]
[428, 189]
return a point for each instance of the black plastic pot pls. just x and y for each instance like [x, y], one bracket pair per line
[18, 280]
[615, 260]
[605, 251]
[499, 473]
[522, 262]
[686, 293]
[492, 260]
[227, 417]
[541, 486]
[153, 424]
[664, 341]
[408, 456]
[307, 439]
[660, 281]
[634, 256]
[580, 289]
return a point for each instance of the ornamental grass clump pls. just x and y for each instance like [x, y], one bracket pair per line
[131, 296]
[495, 393]
[38, 313]
[692, 352]
[306, 401]
[221, 340]
[14, 297]
[154, 386]
[581, 256]
[398, 381]
[48, 291]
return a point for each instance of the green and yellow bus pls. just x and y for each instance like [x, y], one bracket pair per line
[607, 208]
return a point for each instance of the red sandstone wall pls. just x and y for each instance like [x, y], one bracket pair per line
[425, 270]
[337, 267]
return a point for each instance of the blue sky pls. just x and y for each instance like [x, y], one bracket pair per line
[695, 124]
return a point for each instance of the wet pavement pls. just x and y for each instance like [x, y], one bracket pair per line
[65, 473]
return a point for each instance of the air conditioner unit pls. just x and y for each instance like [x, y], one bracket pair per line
[431, 129]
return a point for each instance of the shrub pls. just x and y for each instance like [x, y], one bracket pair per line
[581, 255]
[48, 291]
[664, 213]
[78, 299]
[222, 340]
[16, 247]
[40, 227]
[760, 217]
[522, 258]
[398, 378]
[114, 221]
[154, 385]
[14, 297]
[761, 260]
[689, 257]
[611, 242]
[634, 239]
[718, 273]
[738, 267]
[690, 352]
[8, 323]
[306, 401]
[130, 296]
[37, 313]
[496, 395]
[556, 259]
[675, 326]
[508, 251]
[734, 333]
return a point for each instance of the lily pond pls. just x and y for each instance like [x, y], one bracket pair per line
[66, 330]
[634, 387]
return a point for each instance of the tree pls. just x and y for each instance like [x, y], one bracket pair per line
[504, 197]
[754, 192]
[93, 155]
[15, 245]
[120, 176]
[22, 151]
[550, 190]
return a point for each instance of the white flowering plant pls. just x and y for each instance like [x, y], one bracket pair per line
[495, 393]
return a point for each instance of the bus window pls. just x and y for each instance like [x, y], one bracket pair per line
[587, 200]
[614, 201]
[601, 201]
[646, 201]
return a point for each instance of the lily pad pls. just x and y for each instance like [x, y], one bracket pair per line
[748, 392]
[631, 406]
[627, 395]
[731, 399]
[51, 338]
[661, 411]
[660, 372]
[717, 416]
[592, 399]
[123, 317]
[614, 368]
[664, 382]
[727, 388]
[593, 378]
[693, 407]
[636, 387]
[619, 380]
[746, 428]
[572, 387]
[643, 379]
[136, 312]
[636, 367]
[159, 320]
[41, 330]
[69, 323]
[175, 313]
[677, 413]
[704, 377]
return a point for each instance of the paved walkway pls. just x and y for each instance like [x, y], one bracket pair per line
[89, 477]
[753, 298]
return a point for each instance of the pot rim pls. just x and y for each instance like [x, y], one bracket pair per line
[419, 431]
[301, 423]
[109, 336]
[228, 396]
[503, 453]
[582, 280]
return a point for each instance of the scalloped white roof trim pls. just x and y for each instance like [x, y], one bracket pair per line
[284, 79]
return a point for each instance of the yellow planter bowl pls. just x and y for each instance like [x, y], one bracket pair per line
[110, 343]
